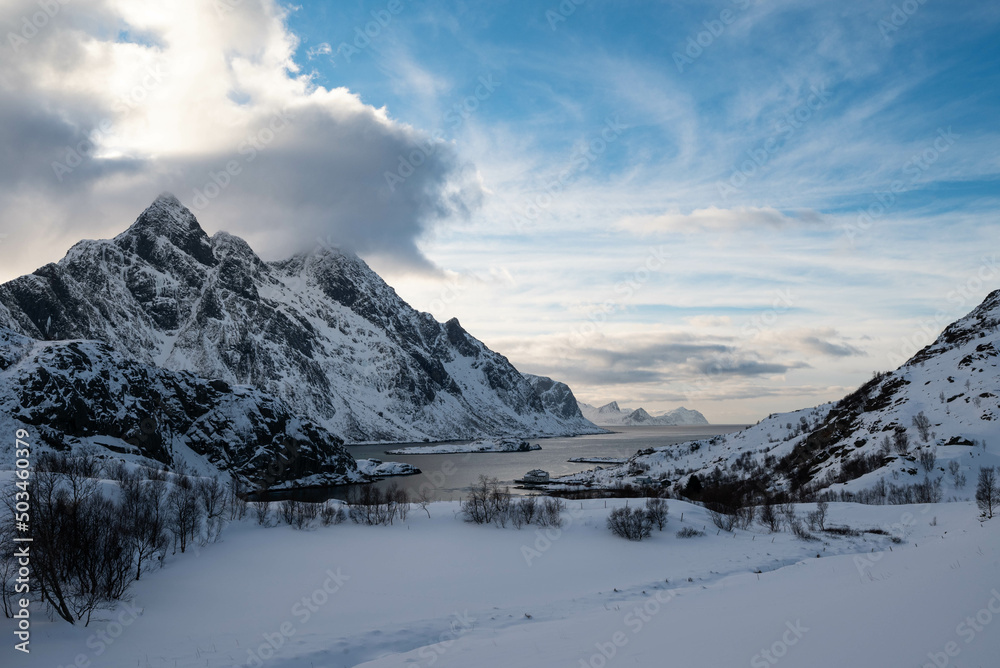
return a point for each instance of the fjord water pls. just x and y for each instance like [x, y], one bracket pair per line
[449, 476]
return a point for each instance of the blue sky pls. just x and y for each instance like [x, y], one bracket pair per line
[742, 207]
[841, 103]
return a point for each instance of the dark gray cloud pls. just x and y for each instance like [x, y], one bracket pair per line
[303, 168]
[825, 347]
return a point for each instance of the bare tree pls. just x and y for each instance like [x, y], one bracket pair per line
[954, 468]
[928, 457]
[817, 518]
[213, 499]
[237, 499]
[424, 500]
[332, 513]
[551, 512]
[769, 517]
[901, 442]
[724, 519]
[656, 511]
[987, 493]
[262, 512]
[923, 425]
[143, 507]
[184, 513]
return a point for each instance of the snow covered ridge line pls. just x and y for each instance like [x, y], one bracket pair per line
[611, 415]
[316, 349]
[917, 434]
[503, 445]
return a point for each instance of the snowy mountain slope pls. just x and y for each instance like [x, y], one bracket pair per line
[612, 414]
[320, 331]
[76, 393]
[944, 401]
[556, 397]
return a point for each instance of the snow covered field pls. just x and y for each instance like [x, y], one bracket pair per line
[439, 592]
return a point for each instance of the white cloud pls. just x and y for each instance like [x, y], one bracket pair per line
[713, 219]
[203, 99]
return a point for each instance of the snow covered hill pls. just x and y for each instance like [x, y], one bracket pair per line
[321, 332]
[941, 406]
[611, 415]
[73, 394]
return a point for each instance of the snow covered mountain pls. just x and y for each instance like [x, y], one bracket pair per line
[318, 337]
[611, 415]
[941, 406]
[71, 394]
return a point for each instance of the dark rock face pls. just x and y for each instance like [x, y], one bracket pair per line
[556, 397]
[81, 392]
[318, 338]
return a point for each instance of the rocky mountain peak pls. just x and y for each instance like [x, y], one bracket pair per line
[165, 226]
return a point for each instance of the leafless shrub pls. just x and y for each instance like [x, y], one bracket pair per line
[630, 523]
[332, 513]
[262, 512]
[901, 442]
[722, 519]
[656, 511]
[928, 458]
[817, 518]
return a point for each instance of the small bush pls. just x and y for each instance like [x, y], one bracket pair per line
[817, 518]
[928, 457]
[689, 532]
[630, 523]
[723, 520]
[332, 513]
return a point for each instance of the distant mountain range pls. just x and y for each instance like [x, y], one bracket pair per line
[167, 343]
[610, 415]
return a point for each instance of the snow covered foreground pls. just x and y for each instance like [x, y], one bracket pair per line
[439, 592]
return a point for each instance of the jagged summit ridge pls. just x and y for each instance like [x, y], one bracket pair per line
[611, 414]
[321, 331]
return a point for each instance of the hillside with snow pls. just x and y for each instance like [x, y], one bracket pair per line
[933, 421]
[612, 415]
[320, 332]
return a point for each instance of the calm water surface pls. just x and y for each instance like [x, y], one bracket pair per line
[451, 475]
